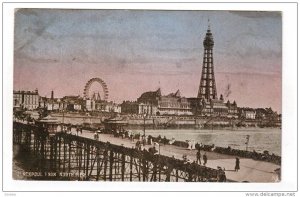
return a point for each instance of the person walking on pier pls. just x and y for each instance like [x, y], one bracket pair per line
[158, 138]
[165, 140]
[77, 130]
[237, 164]
[96, 136]
[138, 145]
[131, 136]
[204, 159]
[198, 156]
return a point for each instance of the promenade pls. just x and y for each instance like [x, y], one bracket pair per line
[250, 170]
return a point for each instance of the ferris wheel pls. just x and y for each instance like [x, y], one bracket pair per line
[88, 85]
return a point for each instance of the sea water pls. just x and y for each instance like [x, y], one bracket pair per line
[260, 139]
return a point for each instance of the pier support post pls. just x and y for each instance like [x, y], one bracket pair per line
[87, 160]
[59, 152]
[111, 161]
[84, 156]
[42, 152]
[105, 164]
[64, 161]
[154, 172]
[51, 153]
[55, 153]
[79, 148]
[144, 170]
[70, 153]
[123, 167]
[130, 166]
[98, 162]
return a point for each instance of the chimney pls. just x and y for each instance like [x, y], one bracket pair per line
[52, 94]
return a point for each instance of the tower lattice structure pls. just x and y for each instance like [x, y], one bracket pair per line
[207, 87]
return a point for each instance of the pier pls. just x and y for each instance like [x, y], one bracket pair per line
[61, 156]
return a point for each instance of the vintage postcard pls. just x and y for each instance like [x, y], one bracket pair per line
[147, 95]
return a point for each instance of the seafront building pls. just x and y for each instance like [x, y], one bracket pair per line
[26, 99]
[247, 113]
[78, 103]
[154, 103]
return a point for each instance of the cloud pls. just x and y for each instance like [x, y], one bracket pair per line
[177, 50]
[22, 56]
[252, 74]
[25, 11]
[33, 32]
[257, 14]
[247, 45]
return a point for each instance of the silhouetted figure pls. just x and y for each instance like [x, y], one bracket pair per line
[164, 140]
[138, 145]
[96, 136]
[197, 146]
[152, 150]
[237, 164]
[158, 138]
[184, 158]
[198, 156]
[131, 137]
[204, 159]
[221, 176]
[77, 130]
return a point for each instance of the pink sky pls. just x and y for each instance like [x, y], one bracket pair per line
[138, 51]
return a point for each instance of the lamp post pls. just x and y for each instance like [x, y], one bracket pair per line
[247, 141]
[144, 115]
[62, 124]
[157, 144]
[144, 136]
[63, 118]
[158, 149]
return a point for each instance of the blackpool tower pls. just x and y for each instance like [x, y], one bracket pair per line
[207, 87]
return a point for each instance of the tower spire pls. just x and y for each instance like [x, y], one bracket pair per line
[208, 25]
[207, 87]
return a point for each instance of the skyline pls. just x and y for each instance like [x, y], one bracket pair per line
[139, 51]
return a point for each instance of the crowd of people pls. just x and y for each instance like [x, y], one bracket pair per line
[265, 156]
